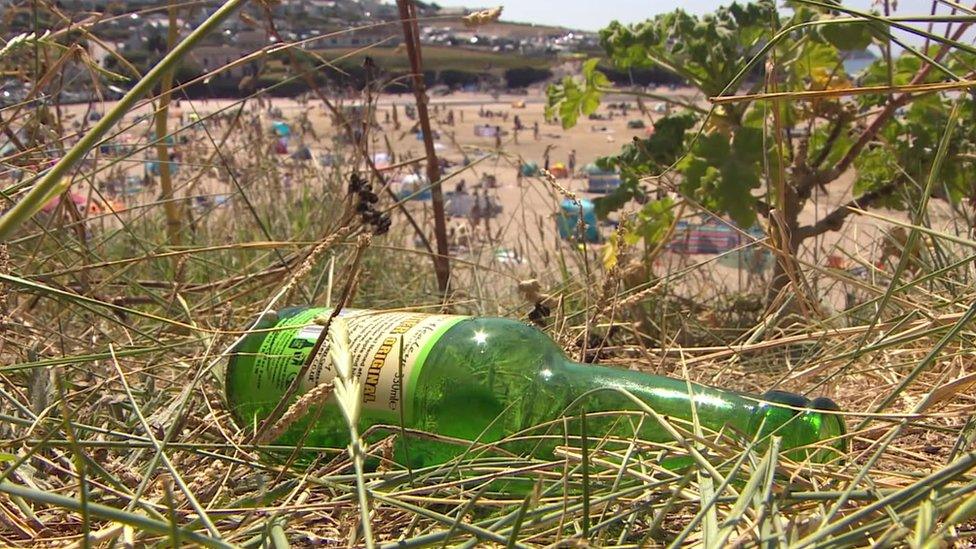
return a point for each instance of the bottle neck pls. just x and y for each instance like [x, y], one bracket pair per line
[797, 420]
[674, 399]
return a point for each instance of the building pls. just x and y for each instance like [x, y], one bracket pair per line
[383, 36]
[210, 58]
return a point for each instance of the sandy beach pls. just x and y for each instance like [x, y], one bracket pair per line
[520, 237]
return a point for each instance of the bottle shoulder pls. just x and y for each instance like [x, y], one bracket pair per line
[500, 331]
[500, 341]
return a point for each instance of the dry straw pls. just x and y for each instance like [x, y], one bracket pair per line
[348, 389]
[316, 397]
[917, 480]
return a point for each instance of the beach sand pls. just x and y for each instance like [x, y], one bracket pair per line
[524, 233]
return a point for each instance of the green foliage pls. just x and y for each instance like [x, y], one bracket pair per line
[521, 77]
[906, 146]
[901, 72]
[721, 173]
[718, 172]
[706, 50]
[455, 78]
[720, 161]
[849, 36]
[832, 147]
[650, 224]
[875, 169]
[652, 155]
[815, 61]
[654, 220]
[907, 151]
[643, 157]
[653, 76]
[725, 163]
[570, 99]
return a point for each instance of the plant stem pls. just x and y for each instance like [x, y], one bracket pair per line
[356, 453]
[442, 265]
[162, 134]
[109, 513]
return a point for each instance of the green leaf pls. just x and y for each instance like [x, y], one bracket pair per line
[714, 148]
[903, 71]
[706, 50]
[876, 168]
[645, 157]
[569, 98]
[733, 191]
[589, 66]
[854, 36]
[693, 169]
[819, 138]
[747, 145]
[613, 201]
[589, 102]
[654, 220]
[816, 60]
[723, 172]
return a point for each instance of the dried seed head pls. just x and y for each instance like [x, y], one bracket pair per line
[339, 349]
[349, 397]
[205, 484]
[296, 411]
[482, 17]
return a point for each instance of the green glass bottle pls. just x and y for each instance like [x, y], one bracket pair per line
[485, 379]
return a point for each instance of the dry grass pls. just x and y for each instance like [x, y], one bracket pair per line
[112, 424]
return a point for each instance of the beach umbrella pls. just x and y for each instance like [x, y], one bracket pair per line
[567, 220]
[281, 128]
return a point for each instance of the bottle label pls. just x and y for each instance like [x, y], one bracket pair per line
[388, 351]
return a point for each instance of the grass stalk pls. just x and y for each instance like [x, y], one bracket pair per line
[105, 512]
[170, 206]
[442, 266]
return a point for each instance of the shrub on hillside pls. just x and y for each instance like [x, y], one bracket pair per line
[523, 77]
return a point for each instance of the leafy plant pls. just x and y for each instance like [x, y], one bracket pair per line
[758, 153]
[570, 99]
